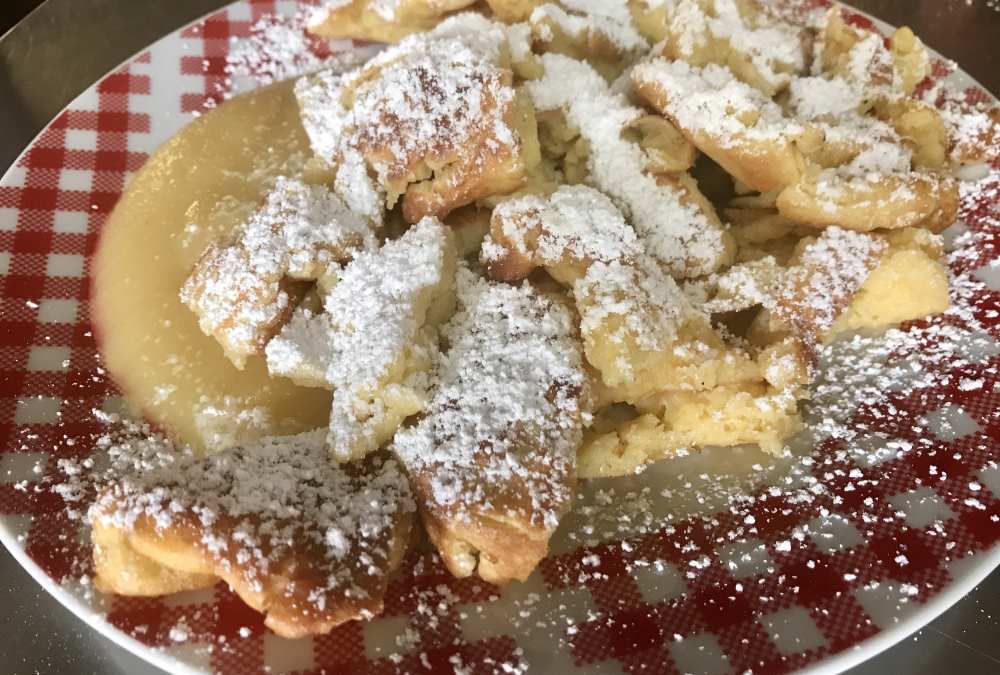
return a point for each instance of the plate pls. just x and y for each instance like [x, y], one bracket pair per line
[884, 514]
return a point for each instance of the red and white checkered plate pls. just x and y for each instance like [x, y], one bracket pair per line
[718, 562]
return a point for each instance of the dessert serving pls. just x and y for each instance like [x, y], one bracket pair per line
[442, 300]
[512, 251]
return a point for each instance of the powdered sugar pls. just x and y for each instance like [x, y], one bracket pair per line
[768, 50]
[647, 303]
[619, 31]
[237, 290]
[612, 276]
[712, 101]
[501, 432]
[573, 222]
[819, 97]
[674, 231]
[790, 492]
[258, 504]
[370, 335]
[279, 48]
[828, 273]
[773, 47]
[416, 105]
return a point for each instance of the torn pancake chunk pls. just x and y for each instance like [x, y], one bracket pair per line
[374, 341]
[380, 20]
[606, 39]
[493, 460]
[677, 225]
[845, 280]
[434, 121]
[244, 290]
[761, 50]
[741, 129]
[307, 542]
[639, 329]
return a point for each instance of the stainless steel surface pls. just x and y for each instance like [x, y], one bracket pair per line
[66, 45]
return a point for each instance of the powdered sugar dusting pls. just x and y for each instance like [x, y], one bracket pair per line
[582, 238]
[711, 100]
[577, 222]
[430, 100]
[238, 289]
[280, 47]
[676, 232]
[616, 26]
[828, 273]
[257, 505]
[372, 334]
[501, 431]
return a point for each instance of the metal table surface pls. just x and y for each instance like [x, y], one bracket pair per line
[65, 45]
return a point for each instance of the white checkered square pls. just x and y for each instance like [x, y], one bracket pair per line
[389, 635]
[921, 507]
[76, 179]
[659, 582]
[116, 405]
[8, 219]
[70, 222]
[989, 274]
[556, 609]
[20, 466]
[792, 630]
[953, 232]
[877, 449]
[52, 310]
[285, 656]
[198, 657]
[746, 558]
[202, 596]
[990, 477]
[539, 619]
[700, 654]
[951, 422]
[4, 261]
[81, 139]
[64, 265]
[37, 410]
[46, 359]
[18, 525]
[834, 533]
[886, 602]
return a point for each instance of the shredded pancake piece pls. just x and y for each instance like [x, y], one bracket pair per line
[374, 341]
[380, 20]
[639, 329]
[874, 68]
[307, 542]
[761, 50]
[838, 168]
[434, 120]
[825, 276]
[731, 122]
[565, 232]
[492, 462]
[676, 223]
[600, 33]
[845, 280]
[244, 290]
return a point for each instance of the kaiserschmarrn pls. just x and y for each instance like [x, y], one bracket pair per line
[531, 244]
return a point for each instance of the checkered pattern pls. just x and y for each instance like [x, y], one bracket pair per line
[209, 41]
[770, 586]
